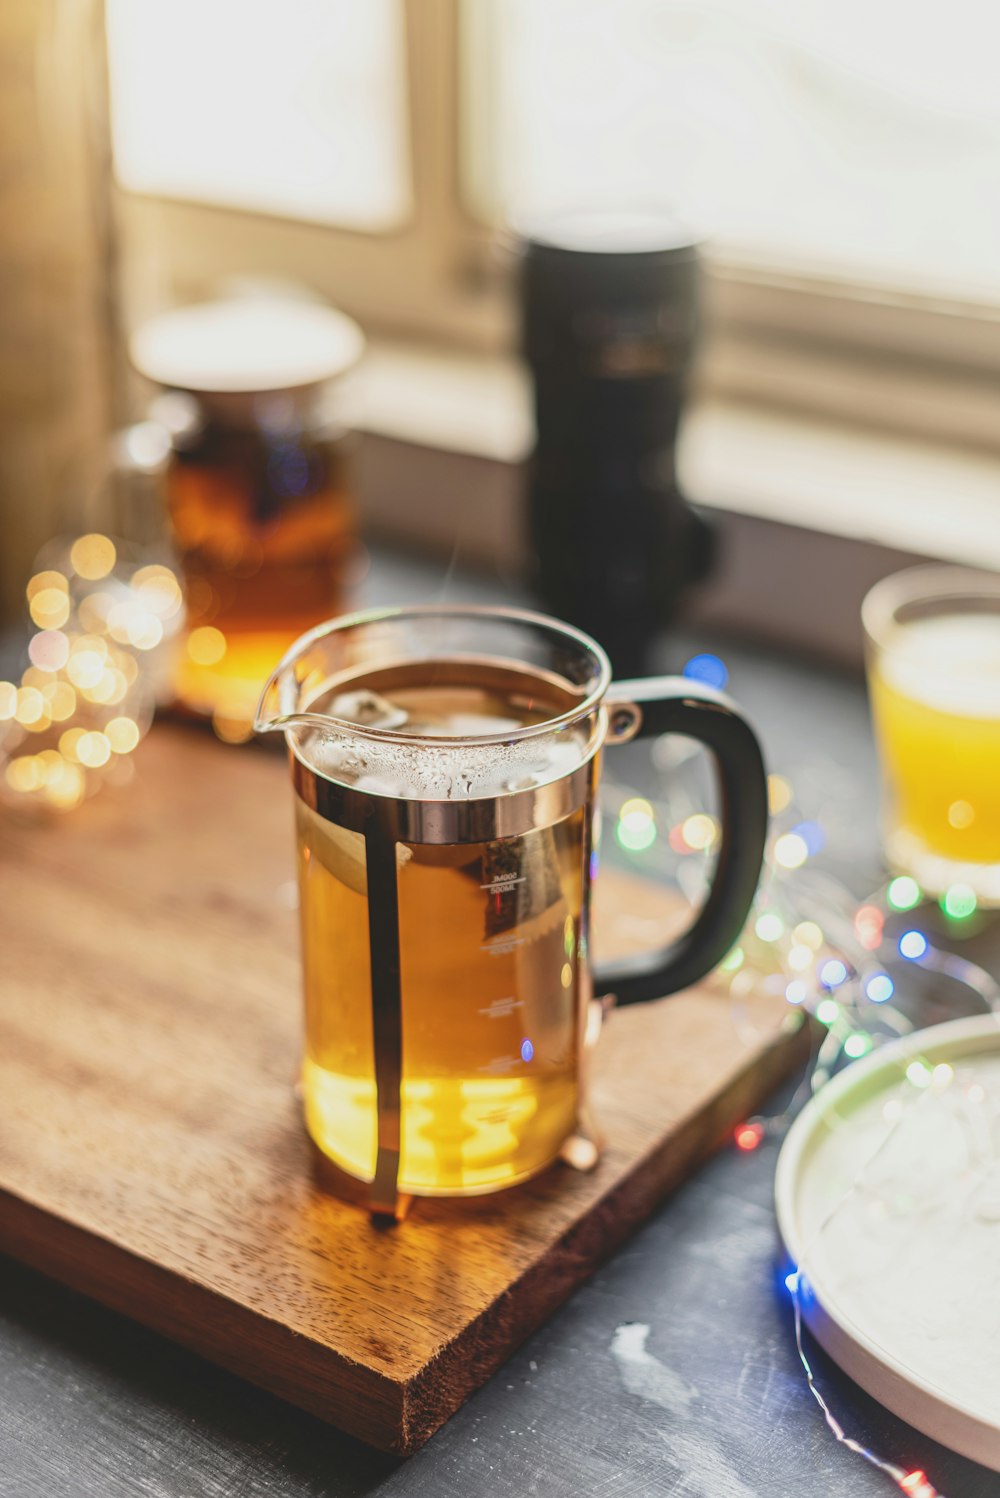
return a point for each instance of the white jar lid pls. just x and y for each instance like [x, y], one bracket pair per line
[246, 344]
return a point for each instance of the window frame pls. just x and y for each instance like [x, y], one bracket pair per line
[776, 335]
[412, 279]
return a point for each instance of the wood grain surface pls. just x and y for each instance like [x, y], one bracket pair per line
[151, 1150]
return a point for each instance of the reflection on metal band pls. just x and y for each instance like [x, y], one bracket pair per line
[474, 820]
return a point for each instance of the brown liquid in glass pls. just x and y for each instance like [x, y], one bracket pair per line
[265, 530]
[494, 976]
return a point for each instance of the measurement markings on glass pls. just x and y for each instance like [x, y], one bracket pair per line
[503, 882]
[502, 1008]
[500, 948]
[500, 1066]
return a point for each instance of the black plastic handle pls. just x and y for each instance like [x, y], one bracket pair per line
[672, 704]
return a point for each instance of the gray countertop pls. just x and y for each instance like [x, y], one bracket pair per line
[672, 1371]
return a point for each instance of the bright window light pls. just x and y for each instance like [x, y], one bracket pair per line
[859, 139]
[288, 107]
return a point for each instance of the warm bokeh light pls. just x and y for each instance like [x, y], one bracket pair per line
[635, 829]
[159, 590]
[52, 764]
[131, 624]
[31, 706]
[769, 926]
[110, 687]
[700, 831]
[67, 789]
[779, 794]
[85, 666]
[93, 750]
[49, 650]
[144, 630]
[118, 618]
[122, 734]
[49, 608]
[77, 677]
[48, 579]
[92, 556]
[808, 934]
[790, 851]
[206, 645]
[69, 740]
[26, 773]
[94, 611]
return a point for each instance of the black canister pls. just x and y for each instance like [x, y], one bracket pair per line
[610, 321]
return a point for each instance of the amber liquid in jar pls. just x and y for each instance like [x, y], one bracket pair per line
[264, 524]
[494, 977]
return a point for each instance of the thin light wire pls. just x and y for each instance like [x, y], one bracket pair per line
[916, 1483]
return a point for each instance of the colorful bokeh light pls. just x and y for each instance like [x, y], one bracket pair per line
[707, 668]
[903, 893]
[869, 926]
[880, 988]
[833, 973]
[959, 902]
[769, 926]
[791, 851]
[748, 1135]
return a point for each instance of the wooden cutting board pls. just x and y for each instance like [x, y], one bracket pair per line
[151, 1151]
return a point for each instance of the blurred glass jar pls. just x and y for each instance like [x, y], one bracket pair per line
[257, 485]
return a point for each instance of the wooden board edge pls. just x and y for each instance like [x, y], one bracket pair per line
[393, 1416]
[367, 1404]
[433, 1395]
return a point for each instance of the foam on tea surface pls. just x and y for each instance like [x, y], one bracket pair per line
[440, 706]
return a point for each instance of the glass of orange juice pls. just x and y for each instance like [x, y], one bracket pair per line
[933, 655]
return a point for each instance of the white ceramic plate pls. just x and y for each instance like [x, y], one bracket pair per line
[888, 1200]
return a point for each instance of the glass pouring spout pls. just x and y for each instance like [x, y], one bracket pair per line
[298, 681]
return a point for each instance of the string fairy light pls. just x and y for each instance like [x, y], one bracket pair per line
[831, 956]
[83, 702]
[915, 1482]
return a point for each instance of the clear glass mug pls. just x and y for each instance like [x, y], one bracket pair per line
[445, 764]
